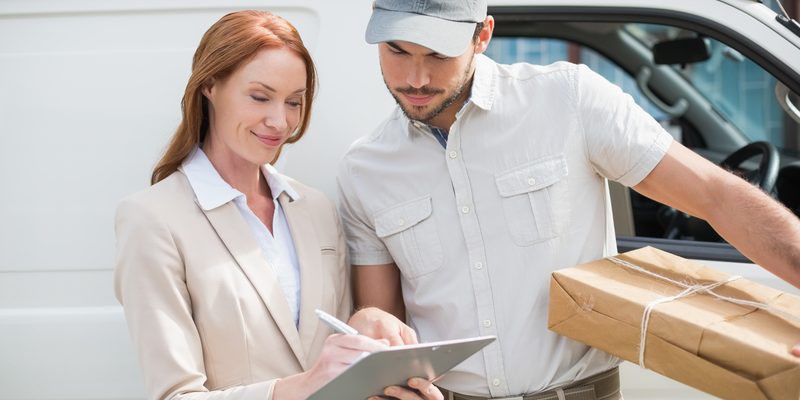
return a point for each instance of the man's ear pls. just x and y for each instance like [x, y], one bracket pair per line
[485, 36]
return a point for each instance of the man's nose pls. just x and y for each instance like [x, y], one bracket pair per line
[418, 76]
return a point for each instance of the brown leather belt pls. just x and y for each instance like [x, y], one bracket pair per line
[603, 386]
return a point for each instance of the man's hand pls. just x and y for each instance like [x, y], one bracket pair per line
[379, 324]
[423, 390]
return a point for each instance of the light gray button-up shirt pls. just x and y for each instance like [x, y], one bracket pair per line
[477, 226]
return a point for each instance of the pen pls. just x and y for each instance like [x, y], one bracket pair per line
[335, 323]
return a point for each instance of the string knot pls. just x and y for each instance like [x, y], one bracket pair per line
[688, 290]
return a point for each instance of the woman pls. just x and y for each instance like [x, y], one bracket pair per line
[222, 262]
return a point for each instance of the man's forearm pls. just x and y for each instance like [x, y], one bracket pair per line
[378, 286]
[759, 227]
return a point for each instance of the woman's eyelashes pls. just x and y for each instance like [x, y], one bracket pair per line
[264, 99]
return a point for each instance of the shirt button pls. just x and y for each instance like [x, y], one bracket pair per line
[453, 154]
[531, 181]
[401, 222]
[487, 323]
[478, 265]
[465, 210]
[496, 382]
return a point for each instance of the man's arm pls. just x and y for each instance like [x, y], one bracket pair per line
[376, 292]
[758, 226]
[377, 296]
[378, 286]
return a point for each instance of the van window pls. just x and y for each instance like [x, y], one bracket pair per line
[736, 98]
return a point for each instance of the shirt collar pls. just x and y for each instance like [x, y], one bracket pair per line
[212, 191]
[484, 83]
[278, 183]
[482, 93]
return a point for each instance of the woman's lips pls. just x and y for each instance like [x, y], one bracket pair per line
[269, 140]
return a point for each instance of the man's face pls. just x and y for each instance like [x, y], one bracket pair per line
[428, 86]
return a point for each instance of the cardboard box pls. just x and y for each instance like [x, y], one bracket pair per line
[728, 350]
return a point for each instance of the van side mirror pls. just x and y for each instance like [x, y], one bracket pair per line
[681, 51]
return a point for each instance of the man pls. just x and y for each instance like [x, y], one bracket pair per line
[488, 177]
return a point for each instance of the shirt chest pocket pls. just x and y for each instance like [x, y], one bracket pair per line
[535, 200]
[410, 233]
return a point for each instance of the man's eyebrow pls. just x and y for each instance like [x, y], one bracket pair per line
[400, 49]
[271, 89]
[396, 47]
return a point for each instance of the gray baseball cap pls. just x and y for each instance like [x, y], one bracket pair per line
[444, 26]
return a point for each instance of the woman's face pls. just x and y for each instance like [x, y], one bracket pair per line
[254, 110]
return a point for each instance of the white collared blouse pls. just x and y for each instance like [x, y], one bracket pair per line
[278, 247]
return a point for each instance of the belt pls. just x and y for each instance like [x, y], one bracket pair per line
[603, 386]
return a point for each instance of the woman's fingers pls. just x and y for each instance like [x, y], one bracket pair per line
[338, 353]
[344, 350]
[357, 342]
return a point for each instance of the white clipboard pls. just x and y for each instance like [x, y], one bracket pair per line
[370, 375]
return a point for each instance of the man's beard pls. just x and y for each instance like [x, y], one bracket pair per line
[412, 112]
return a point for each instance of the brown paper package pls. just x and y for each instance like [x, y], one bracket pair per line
[725, 349]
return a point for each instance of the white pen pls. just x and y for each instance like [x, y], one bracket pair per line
[335, 323]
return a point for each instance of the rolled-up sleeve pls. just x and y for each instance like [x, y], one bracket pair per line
[365, 247]
[624, 142]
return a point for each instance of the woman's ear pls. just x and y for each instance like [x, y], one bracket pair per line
[206, 90]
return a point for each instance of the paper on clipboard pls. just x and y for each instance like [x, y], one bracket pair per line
[393, 366]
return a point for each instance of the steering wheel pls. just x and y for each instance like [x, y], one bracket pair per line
[767, 172]
[680, 223]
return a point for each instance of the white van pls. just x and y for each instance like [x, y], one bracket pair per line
[90, 93]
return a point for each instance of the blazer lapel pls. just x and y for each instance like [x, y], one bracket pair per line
[235, 233]
[308, 255]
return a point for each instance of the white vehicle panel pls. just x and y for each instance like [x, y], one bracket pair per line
[89, 96]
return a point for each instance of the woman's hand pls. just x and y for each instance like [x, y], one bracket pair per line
[423, 390]
[379, 324]
[338, 353]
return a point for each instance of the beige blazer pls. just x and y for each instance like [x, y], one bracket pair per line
[204, 307]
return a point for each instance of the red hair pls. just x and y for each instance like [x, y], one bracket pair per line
[230, 42]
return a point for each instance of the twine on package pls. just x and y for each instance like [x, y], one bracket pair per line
[688, 291]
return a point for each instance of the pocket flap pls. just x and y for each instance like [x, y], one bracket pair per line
[402, 216]
[532, 176]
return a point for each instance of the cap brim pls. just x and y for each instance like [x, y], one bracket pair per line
[440, 35]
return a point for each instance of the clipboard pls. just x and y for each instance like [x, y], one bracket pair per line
[393, 366]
